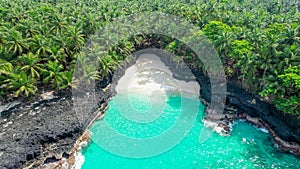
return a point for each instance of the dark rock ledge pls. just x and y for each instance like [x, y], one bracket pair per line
[45, 131]
[240, 104]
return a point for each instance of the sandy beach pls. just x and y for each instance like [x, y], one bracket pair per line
[150, 74]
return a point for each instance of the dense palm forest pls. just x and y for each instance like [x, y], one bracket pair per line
[258, 42]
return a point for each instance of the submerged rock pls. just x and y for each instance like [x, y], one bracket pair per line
[220, 127]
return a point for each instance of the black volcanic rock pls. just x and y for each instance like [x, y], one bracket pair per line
[48, 128]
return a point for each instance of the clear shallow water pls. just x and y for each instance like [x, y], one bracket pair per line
[247, 147]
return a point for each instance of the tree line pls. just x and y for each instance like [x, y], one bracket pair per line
[258, 42]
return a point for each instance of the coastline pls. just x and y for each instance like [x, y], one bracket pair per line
[39, 132]
[43, 144]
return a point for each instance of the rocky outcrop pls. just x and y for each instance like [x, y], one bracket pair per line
[46, 129]
[29, 132]
[7, 109]
[285, 128]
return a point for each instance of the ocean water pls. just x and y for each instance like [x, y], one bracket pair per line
[247, 147]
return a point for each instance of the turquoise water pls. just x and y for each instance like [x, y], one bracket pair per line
[247, 147]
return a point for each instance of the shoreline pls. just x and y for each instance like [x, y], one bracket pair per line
[282, 145]
[49, 143]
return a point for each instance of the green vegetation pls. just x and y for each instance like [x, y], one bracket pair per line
[258, 42]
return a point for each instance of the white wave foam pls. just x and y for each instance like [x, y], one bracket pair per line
[264, 130]
[79, 160]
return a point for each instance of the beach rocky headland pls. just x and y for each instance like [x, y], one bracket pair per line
[45, 130]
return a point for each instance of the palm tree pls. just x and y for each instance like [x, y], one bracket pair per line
[3, 34]
[90, 24]
[269, 53]
[5, 67]
[15, 14]
[40, 45]
[291, 35]
[90, 73]
[68, 80]
[295, 60]
[107, 65]
[29, 28]
[15, 42]
[75, 38]
[31, 64]
[223, 42]
[57, 24]
[53, 74]
[20, 83]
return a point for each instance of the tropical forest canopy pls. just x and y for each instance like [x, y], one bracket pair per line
[258, 42]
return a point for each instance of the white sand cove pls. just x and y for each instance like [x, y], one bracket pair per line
[150, 74]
